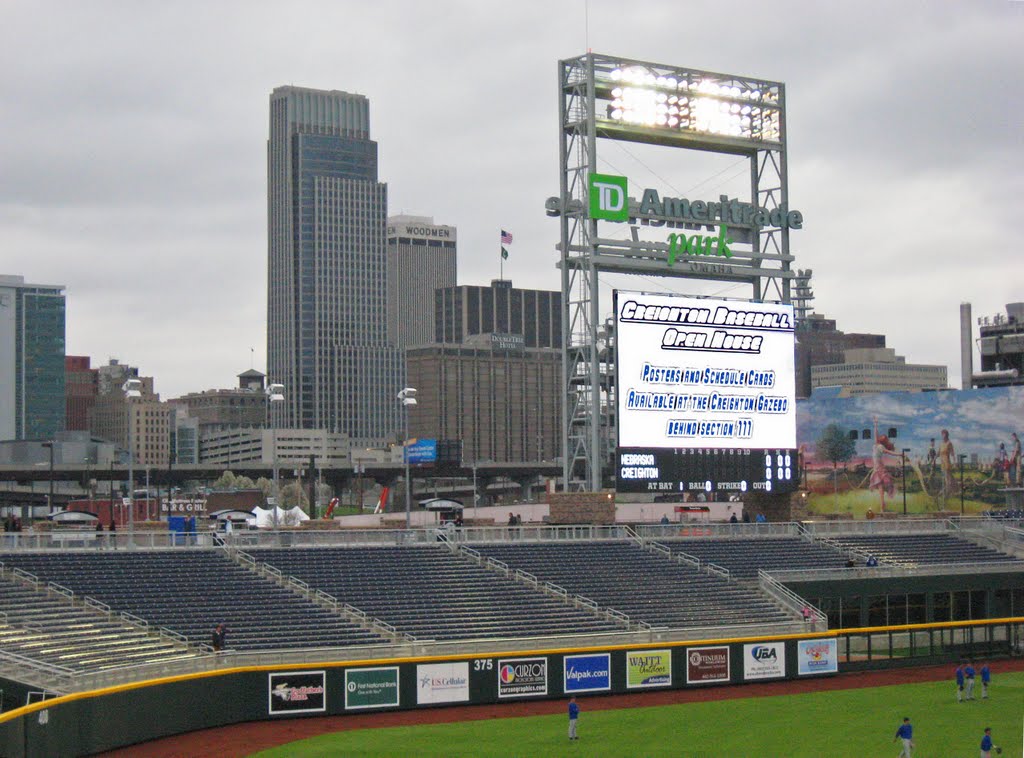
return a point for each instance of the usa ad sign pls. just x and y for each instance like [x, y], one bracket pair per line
[587, 673]
[521, 677]
[648, 668]
[764, 660]
[296, 692]
[817, 657]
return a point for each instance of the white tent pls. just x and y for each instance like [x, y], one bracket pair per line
[265, 517]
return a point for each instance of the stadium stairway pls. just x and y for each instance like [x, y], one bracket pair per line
[646, 585]
[191, 591]
[50, 625]
[325, 600]
[429, 593]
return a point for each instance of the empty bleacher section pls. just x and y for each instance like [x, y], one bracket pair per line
[647, 587]
[48, 628]
[191, 591]
[429, 593]
[744, 556]
[917, 549]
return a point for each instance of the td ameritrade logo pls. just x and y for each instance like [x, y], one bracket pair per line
[609, 197]
[588, 673]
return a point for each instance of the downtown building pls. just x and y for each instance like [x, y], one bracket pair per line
[327, 326]
[493, 377]
[867, 371]
[32, 400]
[421, 260]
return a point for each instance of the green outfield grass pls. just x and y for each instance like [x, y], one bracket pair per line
[838, 724]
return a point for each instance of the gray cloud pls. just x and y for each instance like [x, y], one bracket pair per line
[134, 150]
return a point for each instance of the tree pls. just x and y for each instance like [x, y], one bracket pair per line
[225, 482]
[835, 445]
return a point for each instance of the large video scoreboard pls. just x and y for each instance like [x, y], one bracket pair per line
[705, 395]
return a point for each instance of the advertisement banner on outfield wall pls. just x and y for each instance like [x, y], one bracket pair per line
[764, 660]
[371, 688]
[296, 692]
[587, 673]
[707, 665]
[442, 683]
[817, 657]
[648, 668]
[522, 677]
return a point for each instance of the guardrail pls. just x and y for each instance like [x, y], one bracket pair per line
[696, 529]
[880, 526]
[714, 568]
[884, 571]
[789, 599]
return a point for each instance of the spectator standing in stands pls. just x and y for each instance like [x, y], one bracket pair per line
[746, 517]
[733, 519]
[905, 732]
[664, 518]
[969, 676]
[872, 562]
[959, 673]
[218, 638]
[574, 715]
[760, 518]
[113, 537]
[986, 680]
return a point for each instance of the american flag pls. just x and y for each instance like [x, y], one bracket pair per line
[506, 237]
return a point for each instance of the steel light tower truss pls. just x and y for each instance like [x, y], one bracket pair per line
[605, 97]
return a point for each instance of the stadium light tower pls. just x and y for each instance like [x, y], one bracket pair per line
[605, 97]
[274, 394]
[132, 391]
[407, 397]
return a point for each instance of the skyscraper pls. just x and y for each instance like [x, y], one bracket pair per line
[421, 260]
[32, 403]
[327, 337]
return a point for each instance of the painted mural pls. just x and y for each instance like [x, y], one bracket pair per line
[915, 451]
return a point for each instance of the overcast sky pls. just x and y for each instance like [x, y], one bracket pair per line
[133, 169]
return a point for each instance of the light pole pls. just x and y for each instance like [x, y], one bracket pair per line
[962, 457]
[132, 391]
[407, 397]
[49, 498]
[903, 474]
[275, 394]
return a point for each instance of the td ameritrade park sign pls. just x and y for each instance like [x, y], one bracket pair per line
[608, 197]
[608, 200]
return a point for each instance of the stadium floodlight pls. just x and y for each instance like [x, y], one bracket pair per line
[690, 102]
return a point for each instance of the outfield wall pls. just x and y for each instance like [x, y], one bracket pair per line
[90, 722]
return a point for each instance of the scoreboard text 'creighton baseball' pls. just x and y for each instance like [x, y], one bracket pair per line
[705, 395]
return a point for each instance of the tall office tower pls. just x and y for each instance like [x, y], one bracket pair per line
[32, 403]
[421, 260]
[327, 339]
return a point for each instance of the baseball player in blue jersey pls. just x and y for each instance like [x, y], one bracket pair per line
[986, 744]
[905, 732]
[969, 675]
[574, 714]
[986, 679]
[959, 683]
